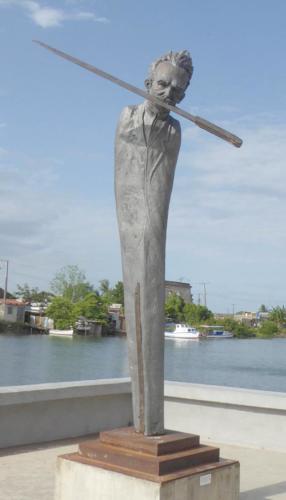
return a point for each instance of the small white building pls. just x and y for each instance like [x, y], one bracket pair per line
[12, 310]
[36, 316]
[115, 312]
[246, 317]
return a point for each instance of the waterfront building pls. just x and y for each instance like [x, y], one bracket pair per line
[35, 315]
[184, 290]
[12, 310]
[117, 317]
[246, 318]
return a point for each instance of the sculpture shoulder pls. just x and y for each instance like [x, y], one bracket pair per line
[175, 126]
[175, 133]
[127, 113]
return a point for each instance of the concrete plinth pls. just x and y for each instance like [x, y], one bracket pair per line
[77, 480]
[122, 464]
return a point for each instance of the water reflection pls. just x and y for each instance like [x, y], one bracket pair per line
[250, 363]
[181, 343]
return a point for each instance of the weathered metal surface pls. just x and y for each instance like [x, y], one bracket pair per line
[165, 464]
[124, 455]
[165, 478]
[144, 175]
[200, 122]
[140, 367]
[170, 442]
[147, 146]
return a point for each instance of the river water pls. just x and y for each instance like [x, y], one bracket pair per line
[249, 363]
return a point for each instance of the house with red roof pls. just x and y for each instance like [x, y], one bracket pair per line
[12, 310]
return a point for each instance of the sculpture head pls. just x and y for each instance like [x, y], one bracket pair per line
[168, 79]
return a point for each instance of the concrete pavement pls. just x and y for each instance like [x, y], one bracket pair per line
[28, 473]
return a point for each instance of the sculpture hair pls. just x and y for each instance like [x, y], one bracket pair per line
[181, 59]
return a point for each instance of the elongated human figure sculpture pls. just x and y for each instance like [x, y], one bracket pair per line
[147, 146]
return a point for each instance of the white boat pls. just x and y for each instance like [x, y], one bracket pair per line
[61, 333]
[216, 332]
[182, 331]
[82, 326]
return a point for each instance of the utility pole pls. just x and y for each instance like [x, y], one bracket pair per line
[199, 299]
[204, 283]
[6, 279]
[233, 306]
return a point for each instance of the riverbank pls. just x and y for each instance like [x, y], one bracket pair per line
[7, 327]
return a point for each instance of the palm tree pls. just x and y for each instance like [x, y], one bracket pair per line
[278, 314]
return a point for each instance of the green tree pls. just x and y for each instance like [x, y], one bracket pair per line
[30, 294]
[117, 293]
[278, 314]
[230, 324]
[92, 307]
[267, 329]
[263, 308]
[177, 310]
[243, 331]
[70, 282]
[62, 311]
[111, 295]
[104, 287]
[204, 314]
[8, 296]
[105, 291]
[174, 308]
[195, 314]
[239, 329]
[191, 313]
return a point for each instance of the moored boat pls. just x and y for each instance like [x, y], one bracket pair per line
[215, 332]
[61, 333]
[182, 331]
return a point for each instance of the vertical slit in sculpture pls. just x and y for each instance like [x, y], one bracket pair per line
[140, 367]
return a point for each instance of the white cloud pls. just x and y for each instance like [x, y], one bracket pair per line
[229, 207]
[76, 2]
[226, 224]
[48, 17]
[258, 167]
[43, 229]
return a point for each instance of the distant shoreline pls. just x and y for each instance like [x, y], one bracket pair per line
[24, 329]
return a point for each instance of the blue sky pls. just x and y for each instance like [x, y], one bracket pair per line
[57, 123]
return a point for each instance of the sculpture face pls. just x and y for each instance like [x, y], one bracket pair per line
[168, 83]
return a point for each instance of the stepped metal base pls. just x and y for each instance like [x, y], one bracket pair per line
[120, 461]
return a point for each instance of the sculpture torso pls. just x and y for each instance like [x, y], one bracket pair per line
[146, 155]
[145, 159]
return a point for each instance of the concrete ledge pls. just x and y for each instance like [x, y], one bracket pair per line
[46, 412]
[21, 394]
[231, 415]
[230, 396]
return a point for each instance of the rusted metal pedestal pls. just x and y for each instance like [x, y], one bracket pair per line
[123, 464]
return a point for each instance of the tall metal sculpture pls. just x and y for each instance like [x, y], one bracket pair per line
[147, 146]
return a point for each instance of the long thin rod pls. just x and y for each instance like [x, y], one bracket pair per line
[201, 122]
